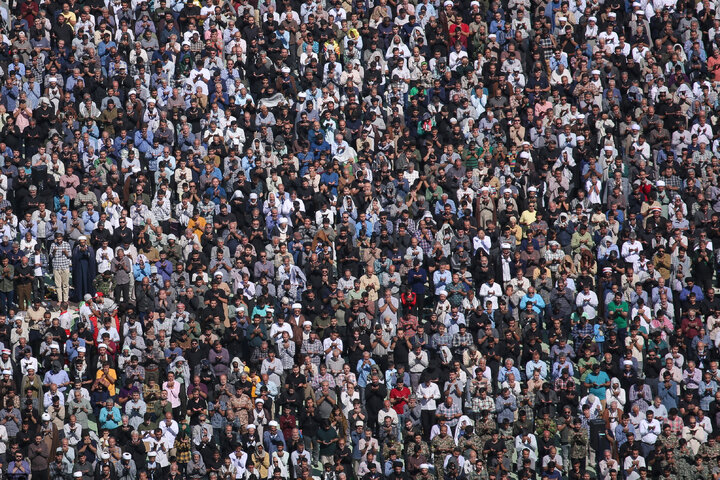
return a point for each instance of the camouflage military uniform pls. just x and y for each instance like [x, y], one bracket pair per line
[472, 442]
[668, 465]
[700, 470]
[483, 475]
[527, 402]
[522, 425]
[427, 476]
[104, 284]
[507, 436]
[392, 445]
[671, 441]
[541, 425]
[441, 447]
[424, 448]
[484, 428]
[709, 452]
[684, 468]
[578, 445]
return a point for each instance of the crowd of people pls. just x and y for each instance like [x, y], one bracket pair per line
[359, 240]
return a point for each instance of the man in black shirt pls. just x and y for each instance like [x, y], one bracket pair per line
[24, 275]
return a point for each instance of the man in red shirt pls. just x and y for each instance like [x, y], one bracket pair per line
[399, 396]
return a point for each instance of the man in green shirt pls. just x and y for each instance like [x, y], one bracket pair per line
[585, 364]
[618, 312]
[327, 438]
[7, 285]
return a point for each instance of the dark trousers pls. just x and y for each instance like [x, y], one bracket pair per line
[427, 419]
[40, 474]
[6, 301]
[39, 287]
[419, 305]
[122, 291]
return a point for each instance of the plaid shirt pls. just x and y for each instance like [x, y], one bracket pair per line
[449, 412]
[552, 257]
[672, 181]
[318, 379]
[462, 340]
[479, 404]
[59, 260]
[562, 384]
[314, 349]
[197, 46]
[547, 46]
[259, 355]
[580, 332]
[676, 426]
[426, 245]
[442, 340]
[409, 226]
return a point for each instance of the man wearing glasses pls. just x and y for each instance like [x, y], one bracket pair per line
[19, 468]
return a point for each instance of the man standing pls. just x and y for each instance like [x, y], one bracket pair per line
[7, 285]
[60, 256]
[578, 443]
[39, 454]
[84, 268]
[24, 274]
[649, 431]
[121, 266]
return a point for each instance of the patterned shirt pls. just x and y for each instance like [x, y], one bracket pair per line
[448, 412]
[462, 340]
[59, 260]
[676, 426]
[426, 245]
[480, 404]
[581, 332]
[259, 355]
[318, 379]
[314, 349]
[442, 340]
[562, 383]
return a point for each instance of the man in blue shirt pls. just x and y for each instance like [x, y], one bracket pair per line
[597, 381]
[690, 287]
[110, 416]
[440, 205]
[19, 468]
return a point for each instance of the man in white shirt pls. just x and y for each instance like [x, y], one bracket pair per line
[606, 464]
[418, 362]
[490, 291]
[72, 431]
[428, 393]
[703, 130]
[104, 257]
[526, 440]
[158, 446]
[633, 463]
[238, 459]
[588, 301]
[659, 410]
[648, 432]
[694, 434]
[28, 362]
[170, 430]
[631, 249]
[332, 342]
